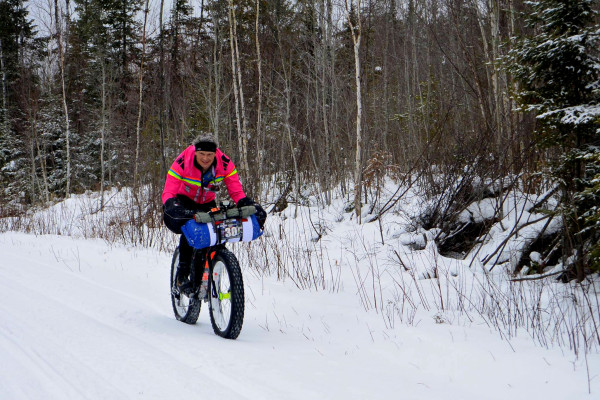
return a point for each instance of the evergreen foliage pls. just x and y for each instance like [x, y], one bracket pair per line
[558, 69]
[16, 38]
[13, 178]
[50, 158]
[15, 31]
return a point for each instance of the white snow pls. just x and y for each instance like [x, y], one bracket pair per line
[480, 211]
[81, 318]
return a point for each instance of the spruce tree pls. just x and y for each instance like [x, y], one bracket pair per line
[16, 38]
[103, 49]
[558, 70]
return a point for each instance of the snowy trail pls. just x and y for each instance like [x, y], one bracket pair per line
[82, 320]
[73, 338]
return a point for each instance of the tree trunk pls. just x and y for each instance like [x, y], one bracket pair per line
[259, 150]
[163, 91]
[288, 128]
[481, 95]
[42, 157]
[498, 89]
[325, 16]
[238, 92]
[515, 119]
[140, 92]
[102, 134]
[356, 39]
[215, 83]
[64, 98]
[4, 108]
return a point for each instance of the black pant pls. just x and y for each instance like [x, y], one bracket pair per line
[178, 214]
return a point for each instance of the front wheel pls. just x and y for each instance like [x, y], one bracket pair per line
[186, 309]
[226, 295]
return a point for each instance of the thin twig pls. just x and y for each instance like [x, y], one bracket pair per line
[536, 277]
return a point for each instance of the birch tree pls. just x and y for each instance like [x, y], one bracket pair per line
[238, 91]
[141, 91]
[163, 101]
[59, 38]
[259, 94]
[356, 31]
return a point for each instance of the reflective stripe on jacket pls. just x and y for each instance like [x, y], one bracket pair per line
[184, 178]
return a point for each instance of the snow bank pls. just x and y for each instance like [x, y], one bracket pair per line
[327, 300]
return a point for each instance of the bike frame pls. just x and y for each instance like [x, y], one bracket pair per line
[202, 265]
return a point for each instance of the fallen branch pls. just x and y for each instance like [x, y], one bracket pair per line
[514, 232]
[536, 277]
[544, 198]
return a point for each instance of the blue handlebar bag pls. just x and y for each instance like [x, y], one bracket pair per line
[230, 230]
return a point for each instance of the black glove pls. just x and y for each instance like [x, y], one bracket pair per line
[176, 215]
[261, 214]
[245, 201]
[174, 209]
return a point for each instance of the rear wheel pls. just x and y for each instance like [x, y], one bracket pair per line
[226, 295]
[186, 309]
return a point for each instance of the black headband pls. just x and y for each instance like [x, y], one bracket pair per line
[206, 146]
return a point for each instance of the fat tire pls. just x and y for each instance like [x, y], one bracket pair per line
[234, 327]
[190, 314]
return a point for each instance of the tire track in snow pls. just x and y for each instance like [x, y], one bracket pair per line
[253, 367]
[194, 347]
[46, 367]
[59, 317]
[43, 359]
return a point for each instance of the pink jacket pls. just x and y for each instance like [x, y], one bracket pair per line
[184, 178]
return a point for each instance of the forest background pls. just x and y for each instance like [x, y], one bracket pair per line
[312, 99]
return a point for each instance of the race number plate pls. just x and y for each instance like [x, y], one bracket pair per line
[230, 230]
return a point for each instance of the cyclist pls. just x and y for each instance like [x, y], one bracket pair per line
[189, 188]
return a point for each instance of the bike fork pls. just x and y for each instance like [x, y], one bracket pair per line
[206, 263]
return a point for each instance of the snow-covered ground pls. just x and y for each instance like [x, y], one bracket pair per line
[85, 319]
